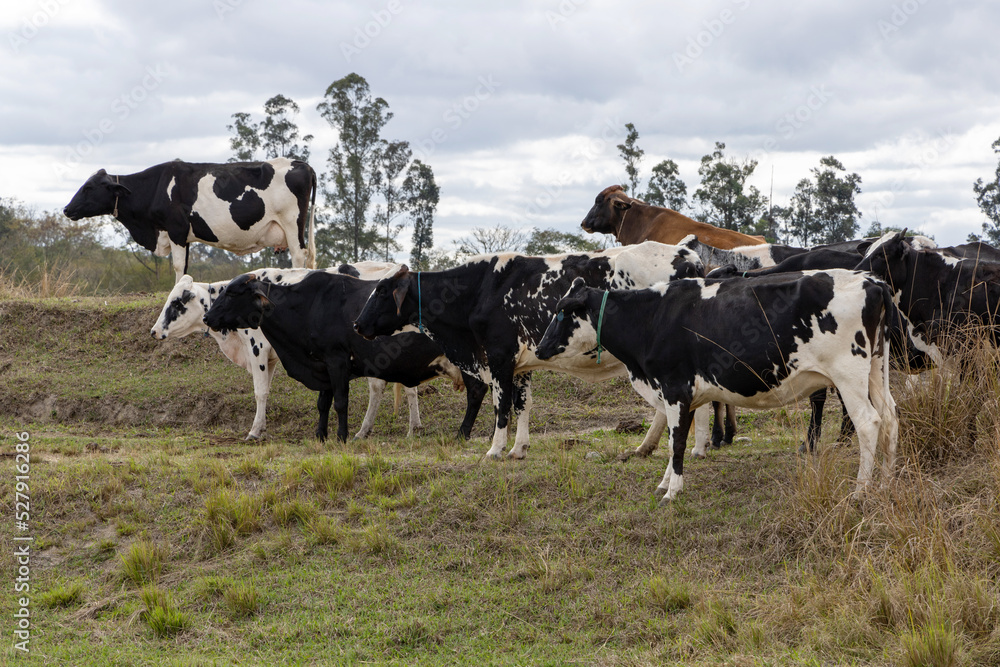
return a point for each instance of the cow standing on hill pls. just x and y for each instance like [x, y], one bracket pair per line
[758, 343]
[633, 221]
[242, 207]
[189, 301]
[489, 313]
[309, 325]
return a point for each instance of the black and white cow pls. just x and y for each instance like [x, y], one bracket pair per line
[758, 343]
[489, 313]
[309, 325]
[934, 291]
[911, 351]
[189, 301]
[242, 207]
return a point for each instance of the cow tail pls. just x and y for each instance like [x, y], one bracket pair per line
[887, 306]
[311, 253]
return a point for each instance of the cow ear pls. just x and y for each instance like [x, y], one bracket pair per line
[622, 205]
[402, 280]
[863, 247]
[119, 190]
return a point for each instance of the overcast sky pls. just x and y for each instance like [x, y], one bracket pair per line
[519, 106]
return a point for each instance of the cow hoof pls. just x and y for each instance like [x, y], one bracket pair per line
[250, 437]
[664, 502]
[496, 456]
[803, 449]
[517, 456]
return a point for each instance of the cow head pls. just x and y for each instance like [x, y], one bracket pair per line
[605, 216]
[386, 311]
[571, 315]
[243, 305]
[888, 259]
[98, 196]
[183, 312]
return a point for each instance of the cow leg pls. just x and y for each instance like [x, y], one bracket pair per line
[411, 402]
[730, 424]
[340, 379]
[846, 425]
[679, 423]
[179, 258]
[503, 399]
[375, 389]
[867, 420]
[701, 430]
[297, 253]
[888, 437]
[817, 400]
[475, 392]
[261, 374]
[718, 410]
[522, 408]
[651, 440]
[323, 407]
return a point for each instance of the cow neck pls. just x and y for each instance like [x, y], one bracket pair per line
[637, 230]
[142, 185]
[446, 287]
[597, 302]
[277, 327]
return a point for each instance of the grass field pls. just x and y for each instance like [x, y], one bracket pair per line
[160, 537]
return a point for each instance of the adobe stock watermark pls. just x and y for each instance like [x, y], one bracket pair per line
[121, 108]
[456, 116]
[365, 34]
[22, 542]
[592, 149]
[713, 28]
[223, 7]
[31, 24]
[899, 16]
[929, 155]
[795, 119]
[564, 10]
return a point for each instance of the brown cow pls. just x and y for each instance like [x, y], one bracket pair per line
[633, 221]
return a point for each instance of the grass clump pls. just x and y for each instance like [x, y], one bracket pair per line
[62, 595]
[142, 563]
[242, 600]
[670, 597]
[160, 614]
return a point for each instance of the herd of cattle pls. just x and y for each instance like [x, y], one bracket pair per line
[768, 325]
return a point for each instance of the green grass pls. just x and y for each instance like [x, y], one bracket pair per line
[187, 545]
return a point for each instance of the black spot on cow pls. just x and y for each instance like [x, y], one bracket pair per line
[858, 352]
[231, 183]
[256, 351]
[262, 367]
[859, 338]
[827, 323]
[278, 278]
[247, 210]
[201, 229]
[252, 341]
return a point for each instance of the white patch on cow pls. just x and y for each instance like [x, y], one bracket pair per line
[278, 226]
[170, 188]
[918, 242]
[885, 238]
[710, 291]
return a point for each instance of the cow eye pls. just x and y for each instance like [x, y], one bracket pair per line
[560, 316]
